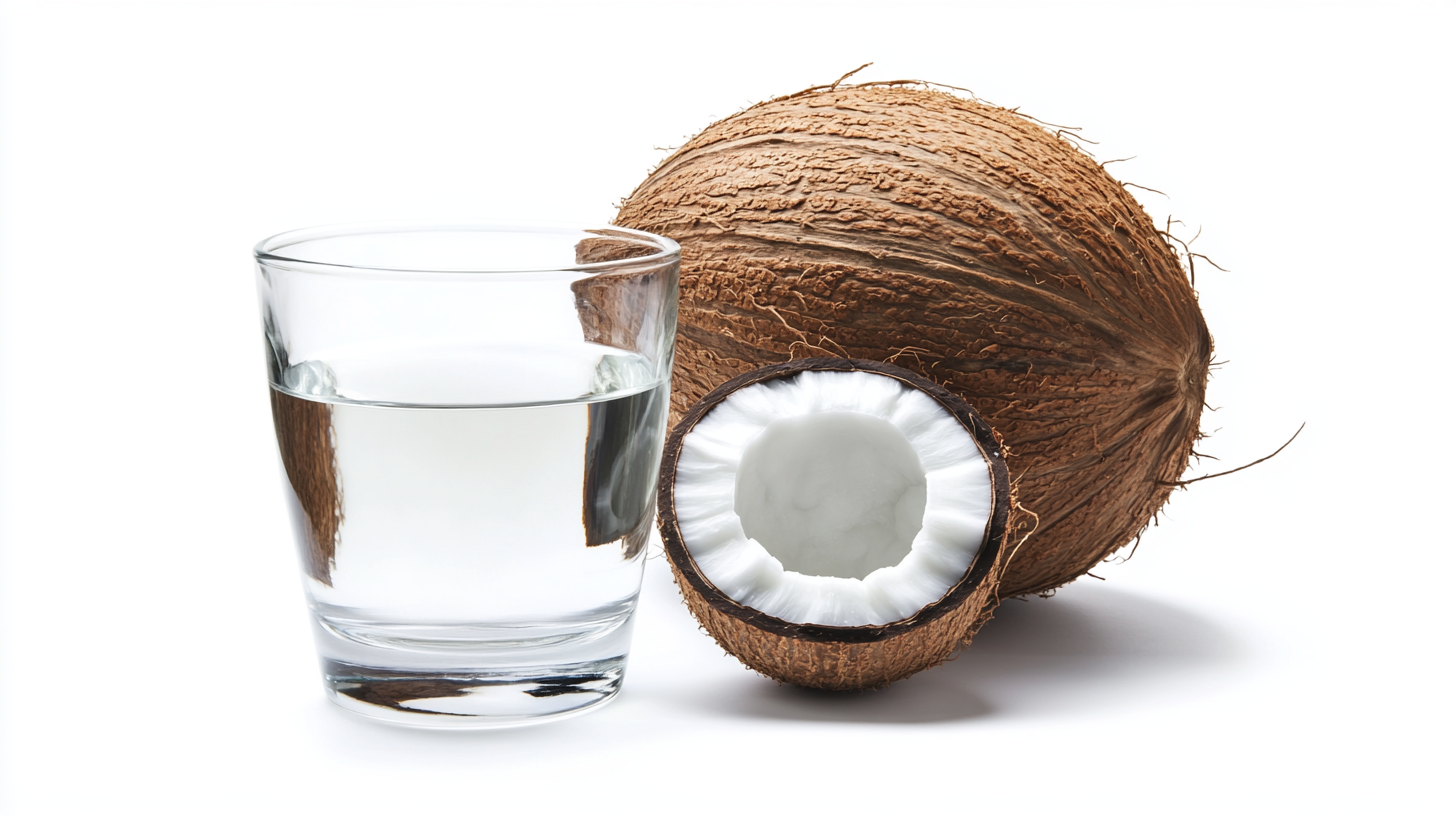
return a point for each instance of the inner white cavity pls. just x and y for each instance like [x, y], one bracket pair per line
[832, 497]
[835, 494]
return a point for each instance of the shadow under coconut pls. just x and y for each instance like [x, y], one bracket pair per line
[1087, 649]
[904, 702]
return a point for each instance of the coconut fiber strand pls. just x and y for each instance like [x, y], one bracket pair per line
[966, 243]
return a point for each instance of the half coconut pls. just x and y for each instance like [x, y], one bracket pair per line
[835, 523]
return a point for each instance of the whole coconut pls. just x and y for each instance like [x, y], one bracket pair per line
[966, 243]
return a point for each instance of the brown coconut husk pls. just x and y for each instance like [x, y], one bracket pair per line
[969, 244]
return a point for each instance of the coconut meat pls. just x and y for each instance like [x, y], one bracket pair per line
[840, 498]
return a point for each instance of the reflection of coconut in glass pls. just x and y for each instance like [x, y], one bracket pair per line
[834, 523]
[631, 309]
[306, 447]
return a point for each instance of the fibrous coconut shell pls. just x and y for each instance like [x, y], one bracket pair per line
[964, 242]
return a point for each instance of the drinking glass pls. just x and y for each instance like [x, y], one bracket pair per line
[469, 420]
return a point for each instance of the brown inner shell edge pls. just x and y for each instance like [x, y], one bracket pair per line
[980, 566]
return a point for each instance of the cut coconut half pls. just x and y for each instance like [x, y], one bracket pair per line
[834, 523]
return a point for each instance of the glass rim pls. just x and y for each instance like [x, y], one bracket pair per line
[270, 250]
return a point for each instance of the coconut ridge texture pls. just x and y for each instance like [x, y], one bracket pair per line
[966, 243]
[840, 658]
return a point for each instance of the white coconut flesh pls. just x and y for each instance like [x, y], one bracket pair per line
[839, 498]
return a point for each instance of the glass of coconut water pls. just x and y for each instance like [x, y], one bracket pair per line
[469, 420]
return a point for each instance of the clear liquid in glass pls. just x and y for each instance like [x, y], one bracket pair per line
[472, 546]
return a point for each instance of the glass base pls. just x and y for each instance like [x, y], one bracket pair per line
[474, 699]
[474, 675]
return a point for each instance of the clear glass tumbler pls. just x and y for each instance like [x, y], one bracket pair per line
[469, 419]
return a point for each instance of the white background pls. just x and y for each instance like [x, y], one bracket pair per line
[1280, 644]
